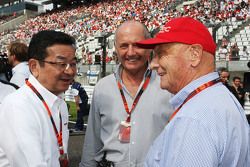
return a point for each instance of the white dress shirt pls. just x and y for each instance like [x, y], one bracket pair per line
[5, 90]
[20, 73]
[27, 135]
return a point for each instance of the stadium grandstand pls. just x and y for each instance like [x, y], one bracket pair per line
[93, 23]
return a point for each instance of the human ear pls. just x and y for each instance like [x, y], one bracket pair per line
[195, 54]
[34, 67]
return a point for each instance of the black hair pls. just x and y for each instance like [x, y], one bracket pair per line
[5, 67]
[222, 69]
[44, 39]
[236, 77]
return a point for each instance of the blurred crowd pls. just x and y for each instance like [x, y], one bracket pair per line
[6, 18]
[105, 16]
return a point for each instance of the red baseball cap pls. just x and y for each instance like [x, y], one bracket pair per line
[182, 30]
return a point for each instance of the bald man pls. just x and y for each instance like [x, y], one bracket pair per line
[128, 108]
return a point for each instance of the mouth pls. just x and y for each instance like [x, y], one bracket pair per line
[132, 59]
[67, 81]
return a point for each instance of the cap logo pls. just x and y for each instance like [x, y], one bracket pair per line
[165, 29]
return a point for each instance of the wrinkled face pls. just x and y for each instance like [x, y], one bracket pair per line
[172, 66]
[224, 76]
[52, 72]
[132, 58]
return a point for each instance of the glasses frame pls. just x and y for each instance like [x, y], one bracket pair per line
[61, 65]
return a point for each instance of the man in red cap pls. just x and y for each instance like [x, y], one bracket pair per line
[209, 127]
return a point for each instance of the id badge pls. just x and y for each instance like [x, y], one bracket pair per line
[63, 159]
[124, 133]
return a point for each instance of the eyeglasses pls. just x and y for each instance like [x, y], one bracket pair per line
[61, 65]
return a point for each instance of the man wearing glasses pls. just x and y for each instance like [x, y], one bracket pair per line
[34, 128]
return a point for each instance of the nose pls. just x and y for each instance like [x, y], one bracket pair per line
[154, 65]
[70, 70]
[131, 50]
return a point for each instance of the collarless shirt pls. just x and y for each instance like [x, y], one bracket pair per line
[27, 135]
[20, 72]
[210, 130]
[107, 111]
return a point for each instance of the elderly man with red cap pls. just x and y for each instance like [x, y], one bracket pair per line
[209, 127]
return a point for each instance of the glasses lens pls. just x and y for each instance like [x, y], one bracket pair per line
[70, 65]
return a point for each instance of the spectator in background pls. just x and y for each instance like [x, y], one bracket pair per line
[224, 76]
[84, 56]
[18, 59]
[128, 108]
[92, 20]
[82, 105]
[224, 42]
[245, 52]
[97, 59]
[71, 95]
[243, 4]
[238, 89]
[209, 127]
[34, 128]
[78, 95]
[89, 58]
[5, 86]
[234, 52]
[223, 53]
[114, 58]
[5, 68]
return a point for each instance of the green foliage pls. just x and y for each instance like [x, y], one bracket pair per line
[72, 110]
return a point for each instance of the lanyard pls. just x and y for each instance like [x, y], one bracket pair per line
[195, 92]
[58, 135]
[144, 86]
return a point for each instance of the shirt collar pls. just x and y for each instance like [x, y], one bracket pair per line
[179, 98]
[119, 68]
[20, 67]
[49, 97]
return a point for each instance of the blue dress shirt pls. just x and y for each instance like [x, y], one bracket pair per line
[210, 130]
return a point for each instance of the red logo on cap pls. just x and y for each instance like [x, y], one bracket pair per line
[165, 29]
